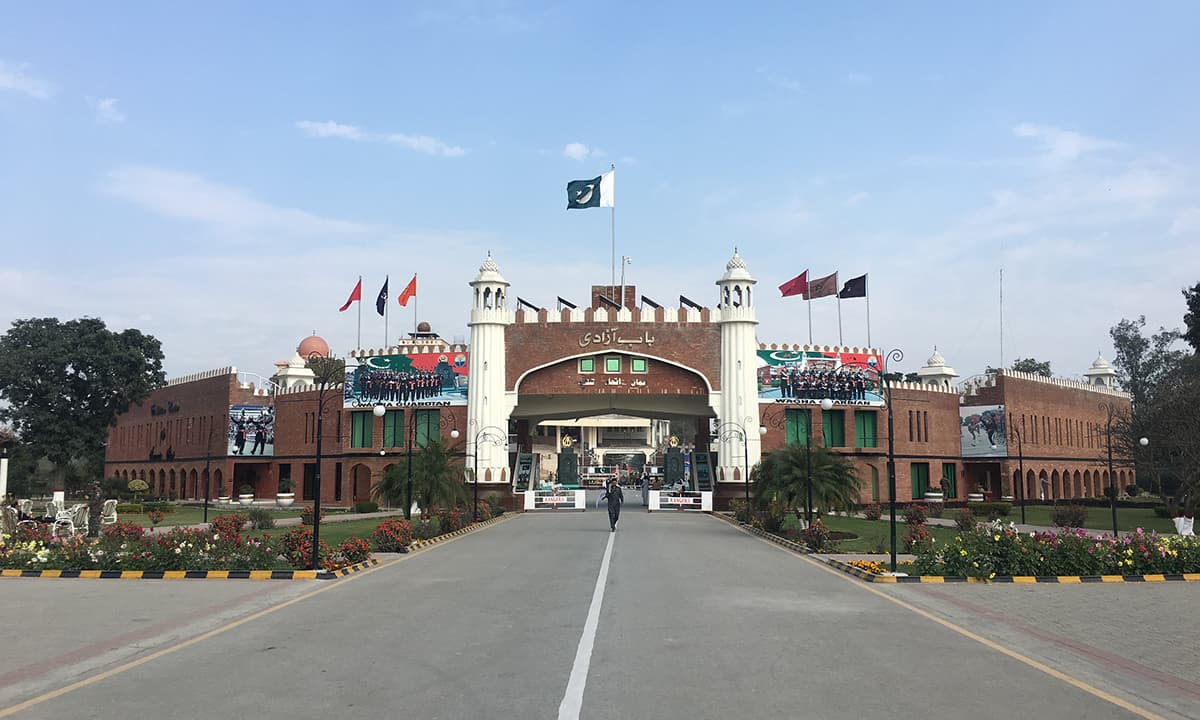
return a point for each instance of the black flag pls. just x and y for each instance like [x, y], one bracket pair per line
[854, 288]
[381, 301]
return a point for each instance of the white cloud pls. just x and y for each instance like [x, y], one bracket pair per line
[14, 77]
[419, 143]
[576, 151]
[857, 198]
[185, 196]
[107, 112]
[1062, 145]
[1187, 222]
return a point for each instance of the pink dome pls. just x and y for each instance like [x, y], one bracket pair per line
[313, 345]
[423, 327]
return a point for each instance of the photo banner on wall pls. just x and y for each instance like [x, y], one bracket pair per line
[416, 379]
[251, 430]
[983, 431]
[806, 377]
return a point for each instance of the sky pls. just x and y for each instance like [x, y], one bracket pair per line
[220, 175]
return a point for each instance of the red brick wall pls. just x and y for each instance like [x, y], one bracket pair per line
[661, 378]
[694, 345]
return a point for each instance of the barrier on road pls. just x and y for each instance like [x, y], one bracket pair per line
[555, 500]
[672, 500]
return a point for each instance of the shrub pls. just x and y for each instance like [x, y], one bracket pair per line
[130, 509]
[935, 509]
[427, 528]
[261, 518]
[991, 510]
[1133, 490]
[246, 490]
[353, 550]
[306, 516]
[1110, 491]
[965, 520]
[873, 511]
[394, 535]
[285, 485]
[451, 520]
[770, 518]
[1070, 516]
[493, 501]
[296, 546]
[165, 507]
[816, 537]
[484, 511]
[1162, 511]
[916, 535]
[915, 514]
[228, 525]
[740, 510]
[122, 531]
[366, 506]
[156, 516]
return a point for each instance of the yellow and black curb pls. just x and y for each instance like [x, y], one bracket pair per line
[1014, 579]
[193, 574]
[789, 544]
[465, 530]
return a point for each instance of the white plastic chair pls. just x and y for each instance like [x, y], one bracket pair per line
[53, 508]
[108, 513]
[81, 518]
[25, 506]
[64, 520]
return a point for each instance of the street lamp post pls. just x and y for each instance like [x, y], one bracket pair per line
[1020, 466]
[380, 411]
[207, 474]
[1112, 477]
[490, 434]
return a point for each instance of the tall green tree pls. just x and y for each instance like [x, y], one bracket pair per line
[64, 384]
[1142, 362]
[783, 475]
[1032, 366]
[1191, 319]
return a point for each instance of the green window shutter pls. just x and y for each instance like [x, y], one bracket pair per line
[360, 429]
[950, 475]
[427, 426]
[393, 429]
[587, 365]
[797, 426]
[864, 428]
[919, 473]
[833, 428]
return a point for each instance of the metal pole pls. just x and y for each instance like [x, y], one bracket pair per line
[746, 449]
[408, 486]
[891, 474]
[207, 465]
[1021, 469]
[475, 481]
[1112, 478]
[316, 541]
[808, 461]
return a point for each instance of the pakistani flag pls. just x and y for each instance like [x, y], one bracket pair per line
[597, 192]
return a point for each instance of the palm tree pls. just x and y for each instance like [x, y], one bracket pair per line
[783, 475]
[435, 480]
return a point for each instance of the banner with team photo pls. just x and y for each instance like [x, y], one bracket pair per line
[435, 379]
[805, 377]
[251, 430]
[983, 431]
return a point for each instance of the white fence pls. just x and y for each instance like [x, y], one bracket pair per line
[687, 500]
[555, 500]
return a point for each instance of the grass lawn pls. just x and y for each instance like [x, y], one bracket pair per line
[332, 533]
[187, 515]
[1099, 518]
[875, 534]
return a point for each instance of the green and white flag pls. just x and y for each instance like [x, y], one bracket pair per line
[597, 192]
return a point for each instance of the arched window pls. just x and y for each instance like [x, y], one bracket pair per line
[487, 298]
[737, 295]
[874, 483]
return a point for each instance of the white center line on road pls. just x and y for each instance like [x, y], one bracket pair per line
[572, 702]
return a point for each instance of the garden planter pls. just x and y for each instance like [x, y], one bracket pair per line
[933, 497]
[975, 497]
[224, 500]
[246, 499]
[285, 499]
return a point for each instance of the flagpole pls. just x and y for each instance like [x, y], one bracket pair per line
[613, 168]
[359, 336]
[385, 315]
[867, 291]
[839, 299]
[414, 306]
[1001, 317]
[808, 301]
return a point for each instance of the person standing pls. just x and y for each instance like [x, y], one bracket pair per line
[615, 498]
[645, 488]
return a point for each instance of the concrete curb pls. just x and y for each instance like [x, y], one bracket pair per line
[790, 545]
[465, 530]
[1012, 579]
[193, 574]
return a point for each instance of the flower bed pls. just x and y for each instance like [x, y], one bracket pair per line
[997, 549]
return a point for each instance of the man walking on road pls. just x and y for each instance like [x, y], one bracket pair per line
[645, 488]
[615, 497]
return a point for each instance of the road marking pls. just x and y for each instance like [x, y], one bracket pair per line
[39, 699]
[1057, 674]
[572, 702]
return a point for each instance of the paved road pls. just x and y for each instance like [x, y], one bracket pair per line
[694, 619]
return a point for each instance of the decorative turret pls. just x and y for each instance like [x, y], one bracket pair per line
[487, 405]
[936, 372]
[738, 402]
[1101, 373]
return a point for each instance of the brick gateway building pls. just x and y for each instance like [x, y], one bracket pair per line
[698, 368]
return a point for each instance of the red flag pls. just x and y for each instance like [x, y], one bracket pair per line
[822, 287]
[355, 295]
[796, 286]
[408, 293]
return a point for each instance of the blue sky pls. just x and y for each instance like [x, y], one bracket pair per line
[219, 176]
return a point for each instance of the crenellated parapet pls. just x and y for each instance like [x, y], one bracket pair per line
[409, 349]
[624, 315]
[204, 375]
[1065, 383]
[839, 349]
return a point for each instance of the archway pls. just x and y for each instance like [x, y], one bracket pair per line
[1056, 485]
[360, 482]
[1031, 491]
[1088, 489]
[162, 483]
[219, 479]
[1045, 490]
[1078, 484]
[194, 478]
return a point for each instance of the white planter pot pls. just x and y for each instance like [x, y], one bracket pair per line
[932, 497]
[246, 499]
[975, 497]
[285, 499]
[224, 500]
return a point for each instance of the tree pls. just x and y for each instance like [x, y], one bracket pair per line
[1142, 362]
[66, 383]
[1169, 422]
[1191, 318]
[435, 480]
[1032, 366]
[783, 475]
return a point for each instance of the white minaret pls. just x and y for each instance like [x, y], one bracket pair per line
[487, 413]
[1101, 373]
[936, 372]
[738, 446]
